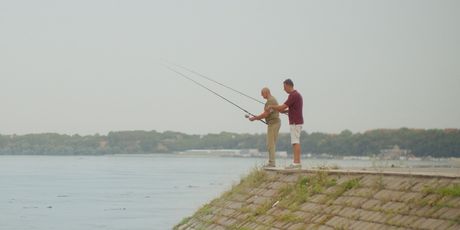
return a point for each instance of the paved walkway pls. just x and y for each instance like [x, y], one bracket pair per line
[419, 172]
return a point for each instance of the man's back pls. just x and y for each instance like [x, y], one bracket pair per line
[295, 105]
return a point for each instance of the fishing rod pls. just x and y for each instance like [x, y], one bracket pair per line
[210, 79]
[212, 91]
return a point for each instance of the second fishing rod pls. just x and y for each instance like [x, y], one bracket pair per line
[212, 91]
[211, 80]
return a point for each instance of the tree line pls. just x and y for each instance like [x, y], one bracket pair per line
[421, 142]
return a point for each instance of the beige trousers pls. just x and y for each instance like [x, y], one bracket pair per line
[272, 136]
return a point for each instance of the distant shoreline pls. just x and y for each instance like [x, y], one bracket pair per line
[394, 143]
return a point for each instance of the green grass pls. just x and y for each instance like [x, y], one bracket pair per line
[245, 209]
[451, 190]
[241, 228]
[182, 222]
[319, 182]
[262, 209]
[293, 195]
[205, 210]
[255, 178]
[290, 197]
[289, 217]
[351, 184]
[348, 185]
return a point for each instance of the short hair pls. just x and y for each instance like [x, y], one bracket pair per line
[288, 82]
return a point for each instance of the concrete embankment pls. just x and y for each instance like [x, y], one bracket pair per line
[334, 199]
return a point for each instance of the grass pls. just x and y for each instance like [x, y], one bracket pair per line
[444, 202]
[245, 209]
[289, 217]
[353, 183]
[205, 210]
[319, 182]
[451, 190]
[293, 195]
[255, 178]
[290, 197]
[262, 209]
[441, 198]
[348, 185]
[240, 228]
[182, 222]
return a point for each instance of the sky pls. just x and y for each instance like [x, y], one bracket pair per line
[86, 67]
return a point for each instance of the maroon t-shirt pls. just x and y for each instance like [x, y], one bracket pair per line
[295, 104]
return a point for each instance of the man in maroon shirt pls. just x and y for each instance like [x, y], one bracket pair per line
[293, 106]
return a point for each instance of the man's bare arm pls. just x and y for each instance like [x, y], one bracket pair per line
[260, 116]
[280, 108]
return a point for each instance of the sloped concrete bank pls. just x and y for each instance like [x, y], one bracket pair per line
[333, 199]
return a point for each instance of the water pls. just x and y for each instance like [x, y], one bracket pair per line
[118, 191]
[110, 192]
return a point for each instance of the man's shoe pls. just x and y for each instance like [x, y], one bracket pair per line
[293, 166]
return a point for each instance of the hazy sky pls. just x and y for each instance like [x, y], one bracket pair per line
[93, 66]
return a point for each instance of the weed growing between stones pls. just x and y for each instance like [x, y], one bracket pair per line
[350, 184]
[293, 195]
[451, 190]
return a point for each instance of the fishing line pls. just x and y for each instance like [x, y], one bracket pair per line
[212, 80]
[212, 91]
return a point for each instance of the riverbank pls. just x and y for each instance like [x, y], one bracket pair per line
[335, 199]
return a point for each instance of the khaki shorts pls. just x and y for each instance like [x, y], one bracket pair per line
[295, 133]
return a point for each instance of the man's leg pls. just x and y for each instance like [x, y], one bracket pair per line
[296, 149]
[271, 144]
[275, 128]
[295, 141]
